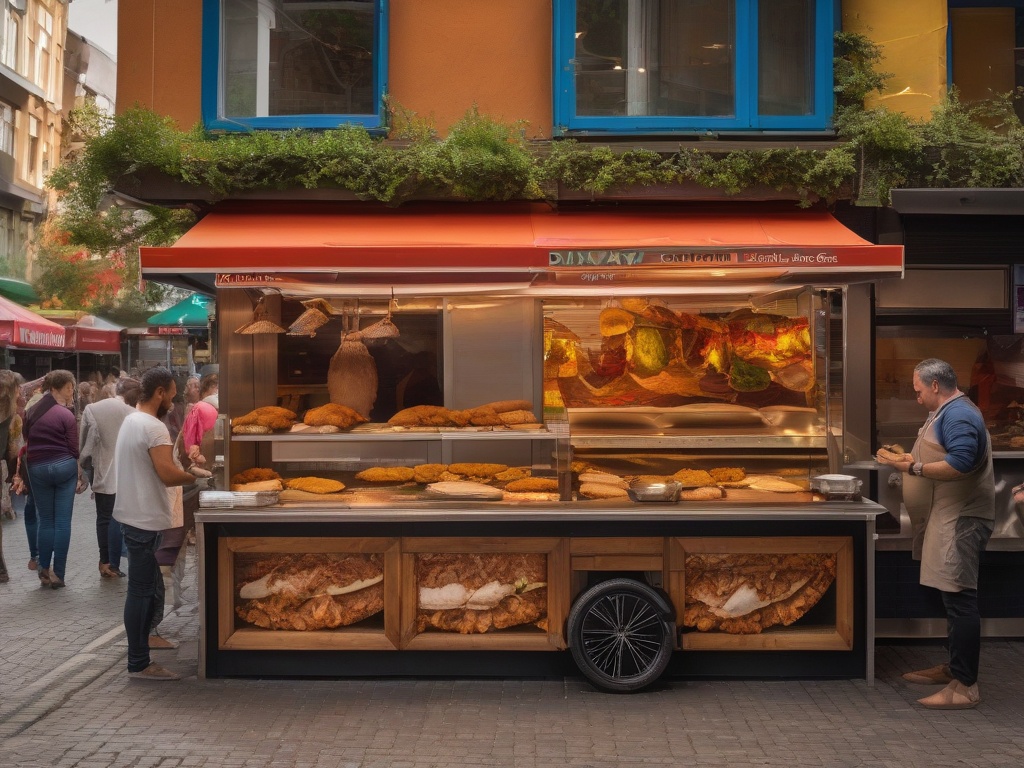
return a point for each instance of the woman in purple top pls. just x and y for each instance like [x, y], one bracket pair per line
[51, 433]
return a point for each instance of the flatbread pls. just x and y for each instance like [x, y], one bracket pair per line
[463, 489]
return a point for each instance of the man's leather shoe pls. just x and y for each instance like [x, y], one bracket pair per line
[956, 695]
[932, 676]
[157, 643]
[155, 672]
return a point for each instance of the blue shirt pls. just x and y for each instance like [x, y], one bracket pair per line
[964, 436]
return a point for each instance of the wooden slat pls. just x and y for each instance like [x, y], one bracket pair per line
[790, 639]
[225, 593]
[510, 640]
[844, 593]
[393, 594]
[466, 545]
[652, 545]
[351, 639]
[618, 563]
[408, 599]
[302, 545]
[558, 593]
[752, 545]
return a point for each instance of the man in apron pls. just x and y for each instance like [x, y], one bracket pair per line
[949, 492]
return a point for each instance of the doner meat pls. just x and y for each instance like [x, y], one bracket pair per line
[352, 376]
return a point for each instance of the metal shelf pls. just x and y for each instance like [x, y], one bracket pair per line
[397, 433]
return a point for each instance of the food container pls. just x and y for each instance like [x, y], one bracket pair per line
[667, 491]
[837, 487]
[233, 499]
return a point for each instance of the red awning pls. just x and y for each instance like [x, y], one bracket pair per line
[82, 338]
[518, 238]
[24, 329]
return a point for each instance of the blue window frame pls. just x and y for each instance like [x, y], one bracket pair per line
[280, 64]
[671, 66]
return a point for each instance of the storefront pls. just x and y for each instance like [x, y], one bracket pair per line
[31, 345]
[962, 300]
[92, 345]
[177, 337]
[525, 382]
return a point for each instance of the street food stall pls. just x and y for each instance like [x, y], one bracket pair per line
[460, 441]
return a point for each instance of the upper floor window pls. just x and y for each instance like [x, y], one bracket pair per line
[44, 36]
[293, 63]
[986, 48]
[650, 66]
[6, 128]
[12, 25]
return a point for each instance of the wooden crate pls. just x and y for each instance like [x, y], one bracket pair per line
[377, 633]
[512, 639]
[832, 636]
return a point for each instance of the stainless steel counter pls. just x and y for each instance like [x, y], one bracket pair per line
[481, 511]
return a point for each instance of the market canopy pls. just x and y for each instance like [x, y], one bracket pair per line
[24, 329]
[193, 312]
[85, 332]
[249, 244]
[18, 290]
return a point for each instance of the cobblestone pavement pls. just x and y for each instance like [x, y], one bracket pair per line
[65, 701]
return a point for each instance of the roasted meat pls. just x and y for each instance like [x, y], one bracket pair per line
[308, 592]
[747, 593]
[475, 593]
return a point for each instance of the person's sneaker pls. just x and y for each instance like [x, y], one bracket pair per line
[155, 672]
[157, 643]
[938, 675]
[956, 695]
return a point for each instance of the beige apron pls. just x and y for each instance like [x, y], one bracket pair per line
[951, 519]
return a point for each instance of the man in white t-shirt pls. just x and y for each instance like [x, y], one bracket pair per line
[144, 474]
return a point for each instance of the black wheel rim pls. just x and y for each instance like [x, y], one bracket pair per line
[622, 635]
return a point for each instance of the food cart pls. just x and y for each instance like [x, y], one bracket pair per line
[608, 439]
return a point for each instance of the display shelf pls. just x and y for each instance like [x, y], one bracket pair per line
[694, 439]
[400, 434]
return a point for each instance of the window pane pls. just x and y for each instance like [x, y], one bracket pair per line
[786, 57]
[298, 57]
[655, 57]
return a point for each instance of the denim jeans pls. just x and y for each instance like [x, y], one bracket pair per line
[963, 625]
[108, 534]
[31, 527]
[140, 605]
[53, 491]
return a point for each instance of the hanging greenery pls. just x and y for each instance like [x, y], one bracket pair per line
[485, 159]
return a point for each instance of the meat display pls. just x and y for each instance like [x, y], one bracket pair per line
[480, 592]
[747, 593]
[308, 592]
[352, 376]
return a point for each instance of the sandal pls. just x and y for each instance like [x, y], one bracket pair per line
[44, 577]
[107, 572]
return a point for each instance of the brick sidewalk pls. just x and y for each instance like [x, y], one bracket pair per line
[65, 701]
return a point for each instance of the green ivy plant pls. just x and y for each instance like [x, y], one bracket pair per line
[485, 159]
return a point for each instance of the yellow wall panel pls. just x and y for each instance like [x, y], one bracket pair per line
[447, 55]
[982, 51]
[912, 34]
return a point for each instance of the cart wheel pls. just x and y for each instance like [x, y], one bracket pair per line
[620, 635]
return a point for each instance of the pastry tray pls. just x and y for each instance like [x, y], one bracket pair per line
[232, 499]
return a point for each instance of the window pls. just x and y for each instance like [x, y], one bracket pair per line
[42, 49]
[32, 151]
[649, 66]
[986, 48]
[293, 63]
[6, 128]
[10, 41]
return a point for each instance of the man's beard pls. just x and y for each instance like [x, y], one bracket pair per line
[162, 411]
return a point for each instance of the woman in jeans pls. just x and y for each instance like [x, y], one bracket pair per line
[52, 436]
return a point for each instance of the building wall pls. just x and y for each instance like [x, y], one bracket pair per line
[449, 55]
[446, 57]
[912, 34]
[36, 57]
[159, 52]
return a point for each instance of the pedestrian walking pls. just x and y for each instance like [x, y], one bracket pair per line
[51, 436]
[10, 439]
[949, 491]
[101, 422]
[145, 474]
